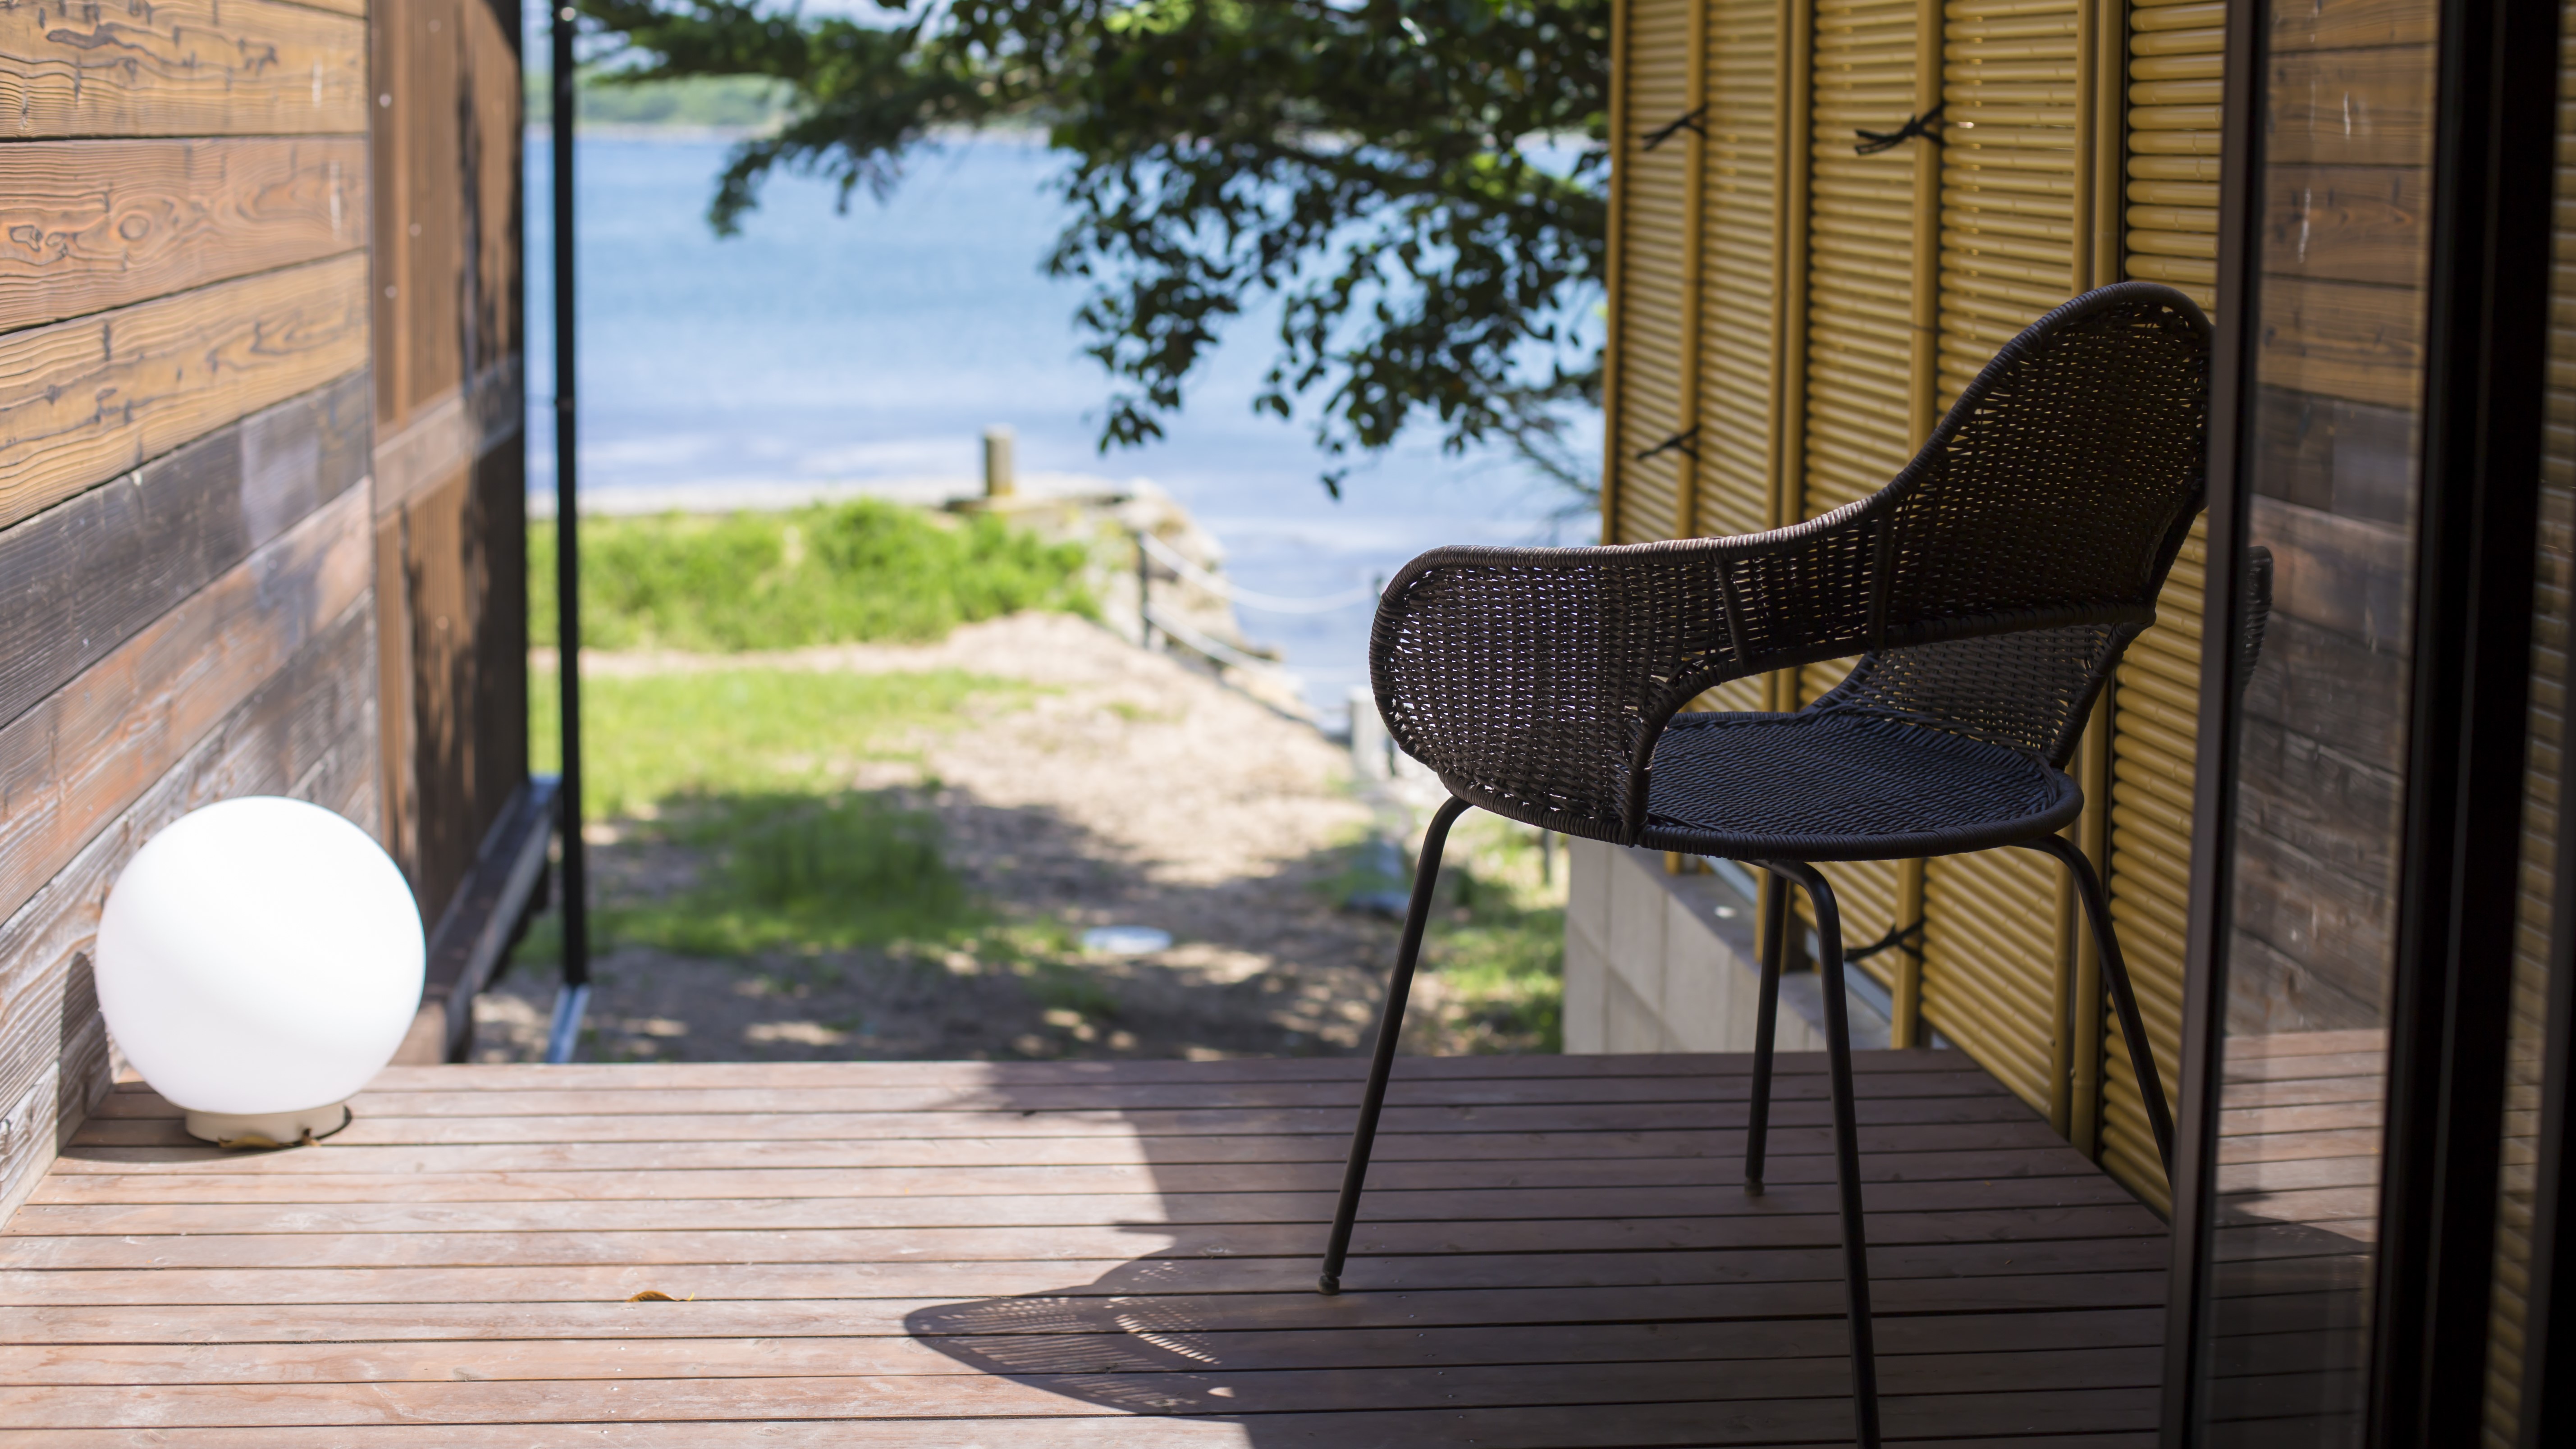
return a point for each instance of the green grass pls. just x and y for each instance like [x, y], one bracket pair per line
[1501, 951]
[751, 767]
[806, 874]
[653, 741]
[836, 574]
[1497, 937]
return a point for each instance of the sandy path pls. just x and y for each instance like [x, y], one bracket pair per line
[1130, 790]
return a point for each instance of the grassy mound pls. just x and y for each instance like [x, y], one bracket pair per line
[829, 574]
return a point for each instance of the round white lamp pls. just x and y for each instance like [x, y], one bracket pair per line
[257, 962]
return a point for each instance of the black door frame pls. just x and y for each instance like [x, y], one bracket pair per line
[2485, 358]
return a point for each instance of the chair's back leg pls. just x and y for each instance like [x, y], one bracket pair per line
[1829, 941]
[1766, 1024]
[2124, 997]
[1390, 1025]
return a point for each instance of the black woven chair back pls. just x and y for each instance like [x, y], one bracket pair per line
[1988, 589]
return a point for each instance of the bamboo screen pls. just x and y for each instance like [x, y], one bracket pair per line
[1788, 315]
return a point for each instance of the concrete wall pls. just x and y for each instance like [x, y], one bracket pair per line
[1656, 962]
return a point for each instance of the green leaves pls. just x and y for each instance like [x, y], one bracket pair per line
[1420, 184]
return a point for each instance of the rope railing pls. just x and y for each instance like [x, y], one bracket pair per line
[1224, 588]
[1213, 648]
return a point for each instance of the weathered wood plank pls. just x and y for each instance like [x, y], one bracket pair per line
[1111, 1097]
[2346, 223]
[84, 400]
[1041, 1388]
[90, 225]
[1655, 1286]
[182, 68]
[306, 731]
[1317, 1173]
[1907, 1221]
[1978, 1349]
[2362, 107]
[1988, 1126]
[2344, 340]
[807, 1076]
[179, 1328]
[88, 575]
[1932, 1149]
[1384, 1205]
[72, 763]
[1656, 1425]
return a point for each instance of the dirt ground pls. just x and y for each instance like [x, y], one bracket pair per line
[1129, 789]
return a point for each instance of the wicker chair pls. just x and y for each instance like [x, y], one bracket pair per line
[1987, 591]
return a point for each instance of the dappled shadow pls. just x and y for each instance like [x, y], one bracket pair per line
[1264, 964]
[1560, 1251]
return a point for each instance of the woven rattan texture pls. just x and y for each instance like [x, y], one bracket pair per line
[1843, 783]
[2038, 522]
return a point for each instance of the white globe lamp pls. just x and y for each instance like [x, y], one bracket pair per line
[258, 961]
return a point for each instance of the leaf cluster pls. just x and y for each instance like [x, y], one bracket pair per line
[1420, 184]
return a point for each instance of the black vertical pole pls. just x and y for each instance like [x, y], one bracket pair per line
[576, 898]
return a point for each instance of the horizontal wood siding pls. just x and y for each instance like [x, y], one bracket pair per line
[84, 400]
[181, 68]
[184, 440]
[93, 225]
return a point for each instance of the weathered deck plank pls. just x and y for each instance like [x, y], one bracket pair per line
[1555, 1252]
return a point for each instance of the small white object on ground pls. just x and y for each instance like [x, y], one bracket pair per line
[1126, 940]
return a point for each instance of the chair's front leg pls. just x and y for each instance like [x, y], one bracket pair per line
[1766, 1024]
[1390, 1025]
[1829, 941]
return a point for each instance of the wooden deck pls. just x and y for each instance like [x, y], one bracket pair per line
[1555, 1252]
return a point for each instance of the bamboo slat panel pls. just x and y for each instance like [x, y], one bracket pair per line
[1648, 485]
[1740, 273]
[1739, 370]
[2553, 594]
[2155, 729]
[2009, 74]
[1992, 937]
[2170, 235]
[2175, 58]
[1859, 412]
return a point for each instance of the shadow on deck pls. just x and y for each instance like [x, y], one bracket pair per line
[1554, 1251]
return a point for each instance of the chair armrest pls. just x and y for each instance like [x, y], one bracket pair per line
[1534, 681]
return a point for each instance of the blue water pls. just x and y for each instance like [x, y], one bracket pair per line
[878, 345]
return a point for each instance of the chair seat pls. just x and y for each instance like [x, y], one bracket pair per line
[1843, 784]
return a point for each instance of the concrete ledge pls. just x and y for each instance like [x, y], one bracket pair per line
[1668, 963]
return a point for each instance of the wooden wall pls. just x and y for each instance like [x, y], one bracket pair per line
[259, 519]
[450, 484]
[185, 551]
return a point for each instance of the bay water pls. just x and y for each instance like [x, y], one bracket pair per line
[871, 348]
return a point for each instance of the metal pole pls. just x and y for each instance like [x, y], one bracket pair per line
[565, 1033]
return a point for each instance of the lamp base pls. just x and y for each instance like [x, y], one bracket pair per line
[268, 1129]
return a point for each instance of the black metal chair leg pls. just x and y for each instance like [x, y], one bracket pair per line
[1766, 1024]
[2124, 998]
[1390, 1025]
[1829, 939]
